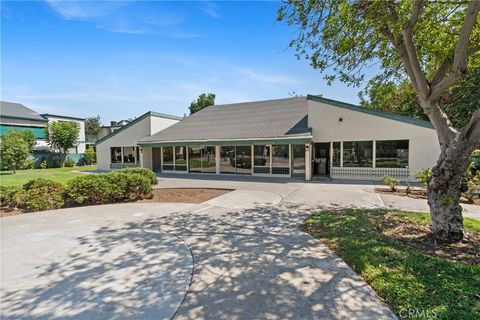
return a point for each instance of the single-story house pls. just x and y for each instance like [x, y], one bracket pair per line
[294, 137]
[119, 149]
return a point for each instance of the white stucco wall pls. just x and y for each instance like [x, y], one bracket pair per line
[128, 136]
[323, 118]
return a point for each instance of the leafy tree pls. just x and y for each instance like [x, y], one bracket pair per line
[431, 45]
[93, 126]
[14, 149]
[459, 102]
[62, 135]
[204, 100]
[90, 156]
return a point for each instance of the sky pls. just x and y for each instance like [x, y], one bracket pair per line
[122, 59]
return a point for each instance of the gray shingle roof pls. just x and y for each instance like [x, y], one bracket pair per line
[17, 110]
[260, 119]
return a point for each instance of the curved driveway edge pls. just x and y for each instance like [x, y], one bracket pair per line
[103, 262]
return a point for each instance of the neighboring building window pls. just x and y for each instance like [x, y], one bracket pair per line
[128, 154]
[336, 154]
[391, 154]
[116, 155]
[261, 156]
[180, 156]
[358, 154]
[167, 155]
[298, 153]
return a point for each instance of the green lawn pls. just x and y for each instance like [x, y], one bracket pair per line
[407, 279]
[58, 174]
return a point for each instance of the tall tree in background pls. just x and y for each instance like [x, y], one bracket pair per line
[204, 100]
[428, 45]
[62, 136]
[93, 126]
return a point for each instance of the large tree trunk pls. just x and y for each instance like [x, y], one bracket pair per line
[444, 190]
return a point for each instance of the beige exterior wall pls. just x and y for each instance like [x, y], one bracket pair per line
[424, 148]
[129, 136]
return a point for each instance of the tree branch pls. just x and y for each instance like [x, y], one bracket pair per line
[447, 63]
[459, 66]
[471, 132]
[407, 32]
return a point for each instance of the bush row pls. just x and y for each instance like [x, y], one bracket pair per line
[44, 194]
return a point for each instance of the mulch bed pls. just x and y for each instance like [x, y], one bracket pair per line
[185, 195]
[419, 238]
[416, 194]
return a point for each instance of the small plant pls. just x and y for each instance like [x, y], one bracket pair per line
[408, 189]
[473, 188]
[391, 182]
[28, 164]
[44, 164]
[69, 163]
[423, 177]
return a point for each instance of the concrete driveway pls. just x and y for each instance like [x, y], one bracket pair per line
[238, 256]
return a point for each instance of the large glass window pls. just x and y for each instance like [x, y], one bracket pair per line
[167, 155]
[358, 154]
[261, 156]
[116, 155]
[336, 153]
[298, 153]
[129, 154]
[244, 159]
[391, 154]
[180, 158]
[208, 160]
[195, 159]
[280, 157]
[227, 159]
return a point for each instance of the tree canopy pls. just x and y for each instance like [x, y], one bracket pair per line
[93, 126]
[15, 147]
[62, 135]
[204, 100]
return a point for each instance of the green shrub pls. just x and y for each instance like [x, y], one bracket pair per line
[391, 182]
[42, 194]
[107, 188]
[28, 164]
[147, 173]
[11, 196]
[423, 176]
[89, 157]
[44, 164]
[473, 185]
[69, 163]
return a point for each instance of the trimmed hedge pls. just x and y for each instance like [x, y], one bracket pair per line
[147, 173]
[92, 189]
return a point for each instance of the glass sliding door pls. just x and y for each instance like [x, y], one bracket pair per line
[298, 161]
[243, 159]
[280, 159]
[227, 159]
[180, 158]
[261, 159]
[195, 159]
[208, 160]
[167, 157]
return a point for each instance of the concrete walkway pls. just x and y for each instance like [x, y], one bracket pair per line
[238, 256]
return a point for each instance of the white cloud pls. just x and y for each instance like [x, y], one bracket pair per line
[264, 78]
[84, 9]
[210, 9]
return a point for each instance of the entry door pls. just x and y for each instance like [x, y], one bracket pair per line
[321, 165]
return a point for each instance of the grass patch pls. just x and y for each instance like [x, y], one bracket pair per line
[62, 175]
[406, 276]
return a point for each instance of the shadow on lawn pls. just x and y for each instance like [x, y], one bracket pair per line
[248, 264]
